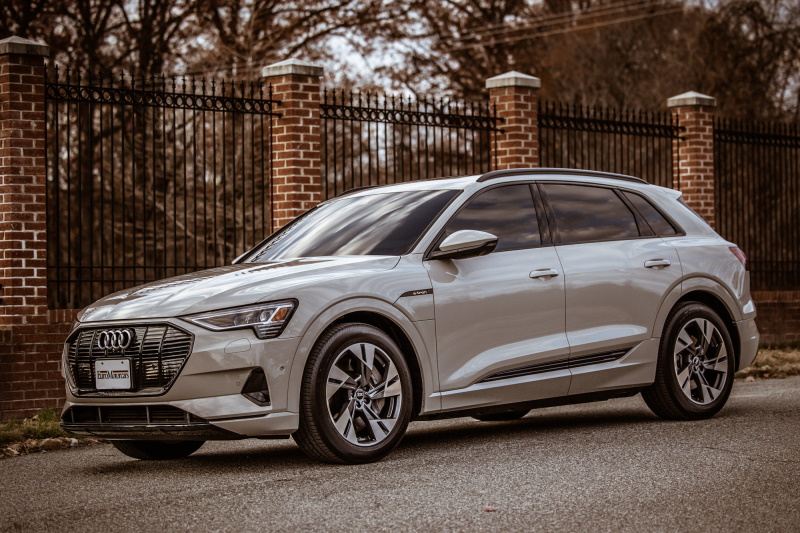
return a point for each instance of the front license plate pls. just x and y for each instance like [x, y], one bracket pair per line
[112, 374]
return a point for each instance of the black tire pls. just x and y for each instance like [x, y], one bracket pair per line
[502, 417]
[317, 435]
[665, 396]
[157, 450]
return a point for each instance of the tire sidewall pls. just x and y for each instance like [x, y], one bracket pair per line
[328, 352]
[681, 317]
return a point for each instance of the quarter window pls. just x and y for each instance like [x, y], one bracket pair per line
[507, 212]
[585, 214]
[656, 220]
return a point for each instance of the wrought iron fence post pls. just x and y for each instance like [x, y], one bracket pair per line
[515, 98]
[694, 152]
[296, 183]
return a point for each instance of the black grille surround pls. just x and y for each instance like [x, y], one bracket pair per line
[157, 353]
[140, 422]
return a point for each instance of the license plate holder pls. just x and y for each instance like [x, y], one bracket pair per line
[113, 374]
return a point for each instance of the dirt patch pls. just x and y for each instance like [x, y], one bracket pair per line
[772, 363]
[38, 434]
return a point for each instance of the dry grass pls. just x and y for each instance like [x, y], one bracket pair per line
[773, 363]
[45, 425]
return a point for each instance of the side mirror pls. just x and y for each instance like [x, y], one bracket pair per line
[465, 243]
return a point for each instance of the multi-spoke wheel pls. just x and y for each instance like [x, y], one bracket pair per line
[356, 396]
[695, 367]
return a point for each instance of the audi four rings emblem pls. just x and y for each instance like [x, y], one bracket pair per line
[115, 339]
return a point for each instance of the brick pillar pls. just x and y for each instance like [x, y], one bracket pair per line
[515, 97]
[694, 171]
[23, 238]
[296, 159]
[31, 337]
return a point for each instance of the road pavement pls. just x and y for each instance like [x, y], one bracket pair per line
[607, 466]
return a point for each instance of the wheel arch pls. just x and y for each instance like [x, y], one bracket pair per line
[719, 306]
[385, 317]
[399, 336]
[713, 297]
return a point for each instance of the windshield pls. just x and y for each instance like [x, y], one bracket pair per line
[376, 224]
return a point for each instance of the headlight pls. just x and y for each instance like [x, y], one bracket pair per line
[266, 320]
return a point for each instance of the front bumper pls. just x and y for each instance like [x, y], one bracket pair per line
[208, 388]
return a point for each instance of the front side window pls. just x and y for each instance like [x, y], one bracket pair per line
[506, 212]
[375, 224]
[585, 213]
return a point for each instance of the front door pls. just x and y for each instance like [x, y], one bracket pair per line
[502, 312]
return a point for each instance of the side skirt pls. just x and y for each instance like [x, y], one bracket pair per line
[535, 404]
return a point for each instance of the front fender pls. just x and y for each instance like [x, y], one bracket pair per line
[420, 333]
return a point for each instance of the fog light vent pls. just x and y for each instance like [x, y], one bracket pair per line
[255, 388]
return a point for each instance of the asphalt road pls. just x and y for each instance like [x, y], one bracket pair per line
[609, 466]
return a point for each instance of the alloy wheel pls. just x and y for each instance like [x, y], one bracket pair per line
[701, 361]
[364, 394]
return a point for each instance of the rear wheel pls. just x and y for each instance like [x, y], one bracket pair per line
[696, 363]
[356, 397]
[502, 417]
[150, 450]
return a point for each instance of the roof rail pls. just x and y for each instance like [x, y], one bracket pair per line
[494, 174]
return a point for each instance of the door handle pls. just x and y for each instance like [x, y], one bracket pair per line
[544, 273]
[655, 263]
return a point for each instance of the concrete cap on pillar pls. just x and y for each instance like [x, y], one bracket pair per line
[292, 66]
[513, 79]
[18, 45]
[692, 98]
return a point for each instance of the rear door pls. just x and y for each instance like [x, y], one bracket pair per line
[617, 270]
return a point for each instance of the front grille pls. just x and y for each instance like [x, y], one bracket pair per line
[128, 414]
[157, 355]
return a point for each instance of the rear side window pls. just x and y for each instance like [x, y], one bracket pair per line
[655, 220]
[585, 213]
[507, 212]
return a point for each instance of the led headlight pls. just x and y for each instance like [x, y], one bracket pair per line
[266, 320]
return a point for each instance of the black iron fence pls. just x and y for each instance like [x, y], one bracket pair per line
[757, 170]
[638, 143]
[372, 139]
[151, 177]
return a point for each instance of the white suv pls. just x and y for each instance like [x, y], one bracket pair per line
[483, 296]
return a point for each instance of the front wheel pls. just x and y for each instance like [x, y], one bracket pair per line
[356, 397]
[150, 450]
[695, 368]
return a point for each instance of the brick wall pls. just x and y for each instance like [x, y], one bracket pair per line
[30, 373]
[778, 317]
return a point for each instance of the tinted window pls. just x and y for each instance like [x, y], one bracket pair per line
[590, 213]
[376, 224]
[506, 212]
[656, 220]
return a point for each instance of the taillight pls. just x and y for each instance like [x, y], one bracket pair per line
[740, 256]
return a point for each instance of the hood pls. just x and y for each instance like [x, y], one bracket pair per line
[228, 286]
